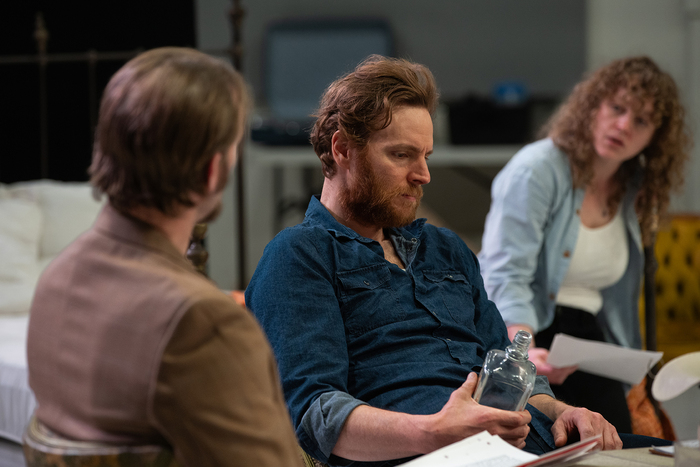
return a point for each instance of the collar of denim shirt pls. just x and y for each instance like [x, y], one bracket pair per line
[406, 240]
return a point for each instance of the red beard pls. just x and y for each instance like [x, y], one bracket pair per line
[370, 203]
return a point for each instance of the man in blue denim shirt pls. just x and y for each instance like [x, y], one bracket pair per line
[379, 322]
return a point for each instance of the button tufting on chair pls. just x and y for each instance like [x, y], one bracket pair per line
[677, 286]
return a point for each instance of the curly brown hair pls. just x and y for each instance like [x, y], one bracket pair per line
[661, 162]
[163, 117]
[362, 102]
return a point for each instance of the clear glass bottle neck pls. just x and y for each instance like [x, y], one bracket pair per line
[518, 349]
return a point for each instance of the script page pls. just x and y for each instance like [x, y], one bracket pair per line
[485, 450]
[602, 359]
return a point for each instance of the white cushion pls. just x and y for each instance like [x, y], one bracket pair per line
[69, 210]
[20, 233]
[16, 297]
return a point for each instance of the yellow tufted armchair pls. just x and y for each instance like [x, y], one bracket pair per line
[677, 285]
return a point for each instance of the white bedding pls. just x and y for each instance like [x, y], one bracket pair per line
[39, 218]
[16, 399]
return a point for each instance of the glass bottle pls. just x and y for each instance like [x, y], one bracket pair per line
[507, 378]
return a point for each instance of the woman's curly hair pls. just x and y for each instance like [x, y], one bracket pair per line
[661, 162]
[362, 102]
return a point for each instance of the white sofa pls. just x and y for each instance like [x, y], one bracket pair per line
[37, 220]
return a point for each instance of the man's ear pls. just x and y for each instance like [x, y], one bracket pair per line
[213, 169]
[340, 147]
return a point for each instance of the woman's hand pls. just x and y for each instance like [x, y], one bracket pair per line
[555, 375]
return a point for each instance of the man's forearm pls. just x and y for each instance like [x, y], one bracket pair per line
[372, 434]
[548, 405]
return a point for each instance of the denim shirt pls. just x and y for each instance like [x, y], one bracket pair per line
[350, 328]
[529, 239]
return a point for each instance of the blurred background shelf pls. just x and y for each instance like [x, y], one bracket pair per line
[443, 155]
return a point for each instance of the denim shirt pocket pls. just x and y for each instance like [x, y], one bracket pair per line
[367, 299]
[455, 291]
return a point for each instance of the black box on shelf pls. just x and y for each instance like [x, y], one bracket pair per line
[480, 120]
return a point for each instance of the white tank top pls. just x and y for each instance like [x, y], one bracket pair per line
[599, 260]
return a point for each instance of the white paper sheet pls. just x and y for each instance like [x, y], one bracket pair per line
[602, 359]
[481, 450]
[486, 450]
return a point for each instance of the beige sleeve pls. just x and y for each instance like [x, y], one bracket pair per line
[218, 400]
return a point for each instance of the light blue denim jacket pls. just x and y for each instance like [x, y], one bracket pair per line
[529, 237]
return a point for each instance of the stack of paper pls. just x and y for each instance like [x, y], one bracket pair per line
[485, 450]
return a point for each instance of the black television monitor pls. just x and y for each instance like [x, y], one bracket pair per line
[302, 57]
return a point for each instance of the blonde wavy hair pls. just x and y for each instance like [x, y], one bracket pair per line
[660, 163]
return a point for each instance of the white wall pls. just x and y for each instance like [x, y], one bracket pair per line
[684, 412]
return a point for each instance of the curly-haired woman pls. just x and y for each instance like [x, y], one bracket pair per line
[562, 246]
